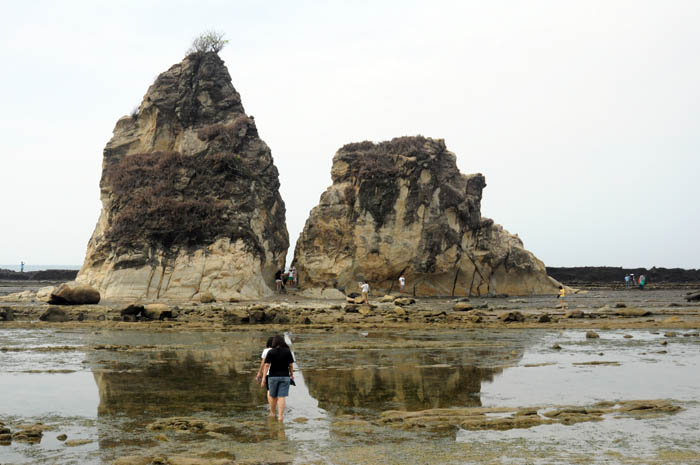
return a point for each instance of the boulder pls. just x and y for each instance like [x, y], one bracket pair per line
[544, 318]
[399, 311]
[157, 311]
[403, 301]
[206, 297]
[364, 309]
[44, 294]
[592, 335]
[236, 317]
[387, 298]
[402, 206]
[256, 315]
[74, 294]
[7, 314]
[511, 316]
[190, 195]
[574, 314]
[692, 296]
[632, 312]
[132, 310]
[54, 315]
[463, 307]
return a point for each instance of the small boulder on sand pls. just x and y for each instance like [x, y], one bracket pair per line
[74, 294]
[54, 315]
[206, 297]
[507, 317]
[632, 312]
[157, 311]
[463, 307]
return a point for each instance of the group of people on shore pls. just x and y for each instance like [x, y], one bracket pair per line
[630, 281]
[276, 374]
[364, 289]
[285, 279]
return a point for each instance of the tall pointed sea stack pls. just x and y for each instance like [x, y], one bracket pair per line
[190, 195]
[403, 207]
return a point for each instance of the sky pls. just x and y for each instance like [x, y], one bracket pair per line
[583, 116]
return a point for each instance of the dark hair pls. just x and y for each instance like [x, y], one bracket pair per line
[278, 342]
[269, 342]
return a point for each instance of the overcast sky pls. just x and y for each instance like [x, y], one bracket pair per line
[584, 116]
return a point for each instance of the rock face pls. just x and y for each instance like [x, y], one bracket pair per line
[402, 206]
[190, 195]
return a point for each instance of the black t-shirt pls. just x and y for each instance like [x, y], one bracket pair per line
[279, 360]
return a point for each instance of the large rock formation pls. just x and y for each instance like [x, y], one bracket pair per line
[190, 195]
[403, 207]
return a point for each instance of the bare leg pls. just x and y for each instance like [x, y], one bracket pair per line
[273, 405]
[281, 404]
[269, 403]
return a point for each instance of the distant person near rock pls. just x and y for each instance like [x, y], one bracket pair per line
[562, 298]
[627, 280]
[642, 282]
[279, 284]
[21, 267]
[402, 282]
[365, 292]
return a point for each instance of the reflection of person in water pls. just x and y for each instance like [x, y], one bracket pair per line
[262, 373]
[279, 361]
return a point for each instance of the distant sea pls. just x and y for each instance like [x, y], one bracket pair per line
[28, 267]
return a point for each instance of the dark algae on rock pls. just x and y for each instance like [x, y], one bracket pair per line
[190, 195]
[402, 206]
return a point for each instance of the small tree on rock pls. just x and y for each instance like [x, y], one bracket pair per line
[209, 41]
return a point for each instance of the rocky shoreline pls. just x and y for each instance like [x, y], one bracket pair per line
[653, 308]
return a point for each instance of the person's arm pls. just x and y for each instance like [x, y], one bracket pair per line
[266, 367]
[260, 370]
[291, 371]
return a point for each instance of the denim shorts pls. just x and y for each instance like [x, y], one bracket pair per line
[278, 386]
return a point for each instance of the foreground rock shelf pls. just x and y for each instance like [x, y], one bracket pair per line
[482, 418]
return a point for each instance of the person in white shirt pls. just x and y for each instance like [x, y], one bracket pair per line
[365, 292]
[402, 283]
[260, 374]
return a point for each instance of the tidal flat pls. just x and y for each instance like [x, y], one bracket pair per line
[363, 396]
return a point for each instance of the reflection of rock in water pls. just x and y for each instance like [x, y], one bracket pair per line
[177, 382]
[401, 387]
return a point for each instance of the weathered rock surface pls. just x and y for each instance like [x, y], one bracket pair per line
[402, 206]
[190, 195]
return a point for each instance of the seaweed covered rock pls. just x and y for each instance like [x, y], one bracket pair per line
[190, 195]
[403, 207]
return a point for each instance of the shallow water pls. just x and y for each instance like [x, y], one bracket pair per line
[107, 386]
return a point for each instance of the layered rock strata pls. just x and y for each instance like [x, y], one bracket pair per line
[403, 207]
[190, 195]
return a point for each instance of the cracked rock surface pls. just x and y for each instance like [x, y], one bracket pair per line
[190, 195]
[402, 206]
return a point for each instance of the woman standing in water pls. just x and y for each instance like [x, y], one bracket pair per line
[279, 361]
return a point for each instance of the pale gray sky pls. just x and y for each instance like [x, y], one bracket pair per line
[583, 116]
